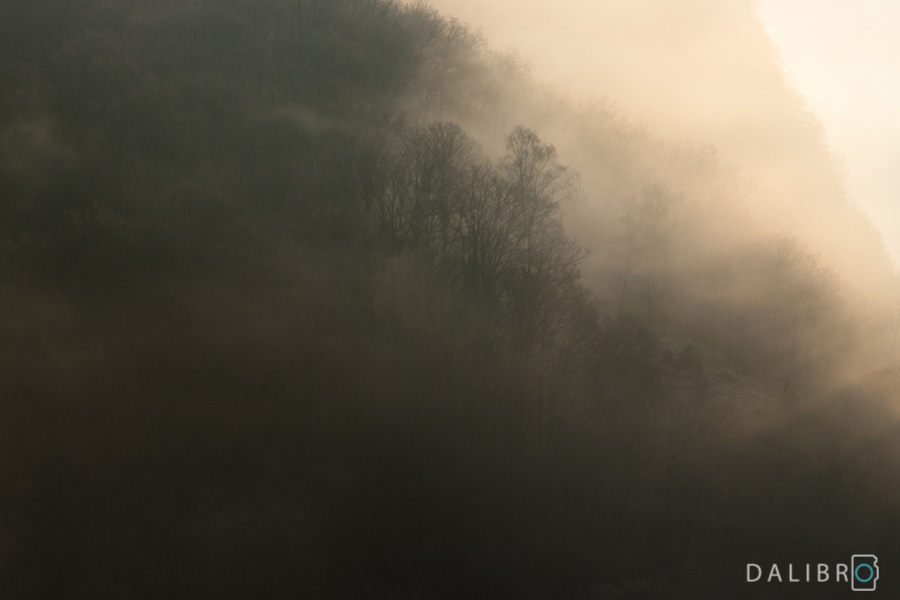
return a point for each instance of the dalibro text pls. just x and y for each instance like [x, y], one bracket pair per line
[821, 573]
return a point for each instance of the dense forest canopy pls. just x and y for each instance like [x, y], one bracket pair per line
[328, 298]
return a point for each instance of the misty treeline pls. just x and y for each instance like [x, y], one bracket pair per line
[327, 298]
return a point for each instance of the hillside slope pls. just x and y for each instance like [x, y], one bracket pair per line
[296, 300]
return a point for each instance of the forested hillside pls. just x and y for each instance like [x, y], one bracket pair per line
[324, 299]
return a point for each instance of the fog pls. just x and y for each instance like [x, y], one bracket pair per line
[345, 298]
[700, 71]
[704, 72]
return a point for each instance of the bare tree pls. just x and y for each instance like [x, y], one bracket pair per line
[415, 211]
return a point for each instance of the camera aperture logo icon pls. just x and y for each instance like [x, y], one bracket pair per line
[865, 572]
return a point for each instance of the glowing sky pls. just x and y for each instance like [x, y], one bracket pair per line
[844, 56]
